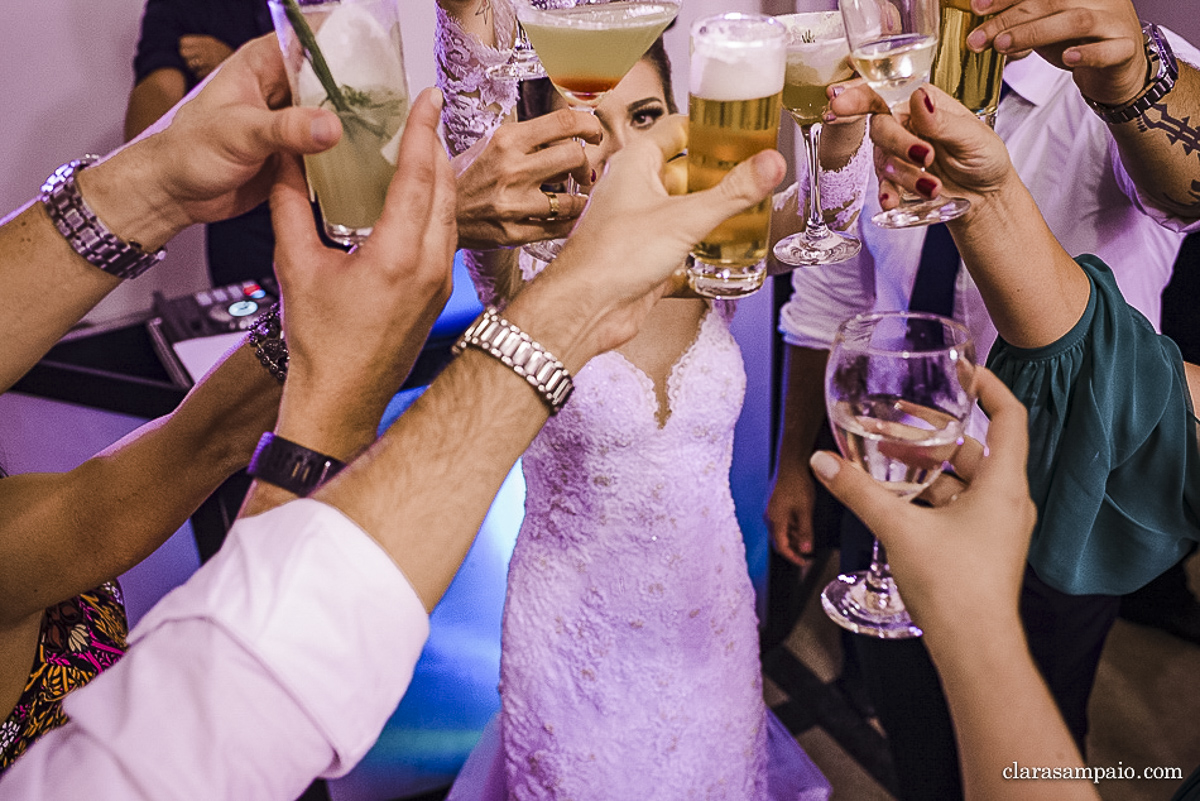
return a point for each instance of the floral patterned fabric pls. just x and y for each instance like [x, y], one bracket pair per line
[80, 638]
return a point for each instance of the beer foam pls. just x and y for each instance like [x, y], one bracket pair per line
[818, 62]
[737, 57]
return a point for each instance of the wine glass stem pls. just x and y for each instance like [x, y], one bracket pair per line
[572, 186]
[878, 574]
[815, 227]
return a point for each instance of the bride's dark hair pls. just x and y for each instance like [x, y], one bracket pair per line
[536, 96]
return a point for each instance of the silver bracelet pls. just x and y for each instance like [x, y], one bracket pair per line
[84, 231]
[492, 334]
[266, 337]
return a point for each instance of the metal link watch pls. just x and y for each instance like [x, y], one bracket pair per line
[1162, 73]
[83, 230]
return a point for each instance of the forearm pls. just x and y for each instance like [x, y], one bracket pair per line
[1161, 152]
[803, 406]
[475, 17]
[151, 98]
[1034, 292]
[457, 442]
[65, 533]
[1003, 714]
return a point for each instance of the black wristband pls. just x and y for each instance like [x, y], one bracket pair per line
[293, 467]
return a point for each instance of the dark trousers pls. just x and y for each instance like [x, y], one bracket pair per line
[1066, 634]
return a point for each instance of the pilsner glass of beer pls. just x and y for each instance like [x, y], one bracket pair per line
[737, 68]
[973, 79]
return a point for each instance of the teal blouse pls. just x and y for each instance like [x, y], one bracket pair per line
[1114, 466]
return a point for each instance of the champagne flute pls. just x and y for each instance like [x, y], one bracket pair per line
[817, 54]
[892, 45]
[973, 79]
[899, 389]
[586, 47]
[522, 64]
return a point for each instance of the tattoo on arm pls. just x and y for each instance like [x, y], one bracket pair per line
[1178, 132]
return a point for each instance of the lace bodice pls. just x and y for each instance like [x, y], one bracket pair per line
[629, 616]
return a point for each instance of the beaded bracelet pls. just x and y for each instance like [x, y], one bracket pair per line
[266, 337]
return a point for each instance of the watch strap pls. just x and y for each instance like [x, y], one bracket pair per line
[84, 231]
[494, 335]
[293, 467]
[1162, 72]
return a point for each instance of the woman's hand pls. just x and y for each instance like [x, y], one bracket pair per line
[940, 147]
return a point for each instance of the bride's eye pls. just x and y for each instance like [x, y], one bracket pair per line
[645, 117]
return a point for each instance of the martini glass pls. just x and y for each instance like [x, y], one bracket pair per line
[899, 388]
[892, 44]
[586, 47]
[817, 54]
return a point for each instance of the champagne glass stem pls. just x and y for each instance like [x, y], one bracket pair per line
[815, 228]
[879, 574]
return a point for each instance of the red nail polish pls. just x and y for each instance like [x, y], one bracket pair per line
[926, 186]
[593, 176]
[928, 101]
[918, 153]
[884, 197]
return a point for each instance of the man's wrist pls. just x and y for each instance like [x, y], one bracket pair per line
[126, 194]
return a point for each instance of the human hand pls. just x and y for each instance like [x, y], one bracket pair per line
[355, 322]
[1099, 41]
[211, 157]
[500, 202]
[202, 53]
[973, 547]
[960, 152]
[632, 237]
[789, 515]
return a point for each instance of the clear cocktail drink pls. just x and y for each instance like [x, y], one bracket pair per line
[346, 55]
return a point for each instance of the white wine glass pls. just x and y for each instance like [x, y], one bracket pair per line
[522, 63]
[817, 56]
[892, 45]
[586, 47]
[899, 389]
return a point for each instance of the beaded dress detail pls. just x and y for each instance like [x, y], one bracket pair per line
[629, 661]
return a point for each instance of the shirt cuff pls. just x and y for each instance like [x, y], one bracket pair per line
[323, 607]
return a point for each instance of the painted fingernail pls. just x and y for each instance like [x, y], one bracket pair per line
[918, 153]
[884, 197]
[593, 176]
[928, 101]
[926, 186]
[824, 465]
[976, 40]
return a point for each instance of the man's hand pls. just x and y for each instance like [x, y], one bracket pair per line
[789, 515]
[633, 236]
[202, 53]
[500, 202]
[1099, 41]
[355, 322]
[211, 157]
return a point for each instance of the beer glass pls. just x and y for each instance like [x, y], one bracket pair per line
[973, 79]
[346, 56]
[899, 388]
[736, 82]
[892, 46]
[817, 57]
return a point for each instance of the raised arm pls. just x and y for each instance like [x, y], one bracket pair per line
[1101, 43]
[209, 160]
[1034, 290]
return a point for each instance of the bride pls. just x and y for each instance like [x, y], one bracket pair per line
[629, 665]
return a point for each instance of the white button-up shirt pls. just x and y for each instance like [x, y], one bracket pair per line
[279, 661]
[1066, 156]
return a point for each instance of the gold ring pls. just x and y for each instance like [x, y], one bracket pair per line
[554, 207]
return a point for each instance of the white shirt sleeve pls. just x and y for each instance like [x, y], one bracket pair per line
[279, 661]
[824, 297]
[1184, 51]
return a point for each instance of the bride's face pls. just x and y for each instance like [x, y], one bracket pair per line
[629, 110]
